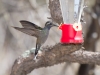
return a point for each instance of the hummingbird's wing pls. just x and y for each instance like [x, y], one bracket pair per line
[32, 32]
[27, 24]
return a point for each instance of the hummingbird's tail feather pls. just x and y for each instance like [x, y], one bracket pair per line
[27, 31]
[37, 48]
[36, 52]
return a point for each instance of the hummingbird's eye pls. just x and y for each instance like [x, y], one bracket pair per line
[48, 23]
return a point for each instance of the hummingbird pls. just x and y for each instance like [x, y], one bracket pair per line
[34, 30]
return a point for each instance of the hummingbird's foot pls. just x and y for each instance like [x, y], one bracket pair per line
[39, 53]
[35, 57]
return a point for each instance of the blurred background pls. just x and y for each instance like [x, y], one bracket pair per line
[13, 43]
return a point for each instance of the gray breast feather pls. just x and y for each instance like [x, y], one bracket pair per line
[43, 36]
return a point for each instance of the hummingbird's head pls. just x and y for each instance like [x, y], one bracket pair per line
[49, 24]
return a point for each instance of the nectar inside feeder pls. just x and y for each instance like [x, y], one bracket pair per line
[71, 33]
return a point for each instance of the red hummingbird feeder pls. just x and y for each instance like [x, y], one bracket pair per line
[71, 33]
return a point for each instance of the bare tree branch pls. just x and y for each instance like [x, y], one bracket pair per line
[55, 11]
[55, 55]
[49, 57]
[84, 57]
